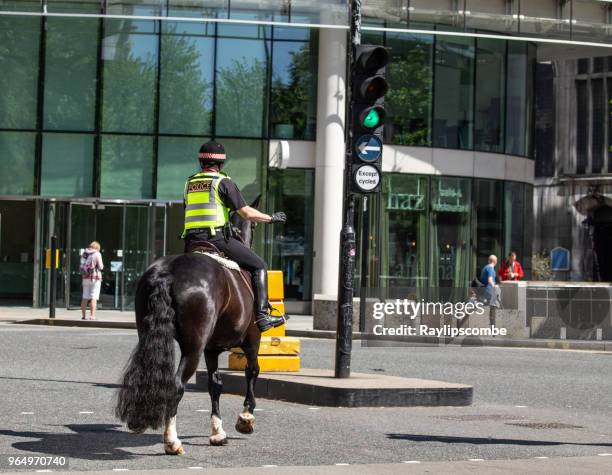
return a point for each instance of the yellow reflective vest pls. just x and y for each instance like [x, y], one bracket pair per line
[203, 205]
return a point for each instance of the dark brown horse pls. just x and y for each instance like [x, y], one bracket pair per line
[205, 307]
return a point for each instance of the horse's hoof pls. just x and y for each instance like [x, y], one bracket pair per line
[218, 439]
[170, 449]
[245, 423]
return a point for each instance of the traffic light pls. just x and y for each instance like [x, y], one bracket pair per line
[369, 87]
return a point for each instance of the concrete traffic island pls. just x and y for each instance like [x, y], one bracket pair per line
[318, 387]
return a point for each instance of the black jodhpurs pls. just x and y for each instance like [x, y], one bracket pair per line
[233, 249]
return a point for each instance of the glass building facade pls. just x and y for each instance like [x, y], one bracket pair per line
[101, 118]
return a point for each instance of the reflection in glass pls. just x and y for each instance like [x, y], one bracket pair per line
[492, 15]
[130, 55]
[135, 7]
[450, 234]
[241, 87]
[582, 126]
[70, 73]
[244, 165]
[290, 245]
[177, 159]
[490, 95]
[427, 13]
[516, 99]
[67, 165]
[409, 99]
[516, 209]
[488, 221]
[404, 231]
[197, 8]
[454, 92]
[591, 20]
[127, 167]
[19, 40]
[74, 6]
[599, 125]
[545, 18]
[186, 90]
[17, 158]
[293, 94]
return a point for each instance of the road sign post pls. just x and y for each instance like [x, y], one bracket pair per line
[365, 117]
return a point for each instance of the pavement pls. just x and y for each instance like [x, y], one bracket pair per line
[297, 326]
[534, 411]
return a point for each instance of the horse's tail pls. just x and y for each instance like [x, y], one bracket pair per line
[148, 391]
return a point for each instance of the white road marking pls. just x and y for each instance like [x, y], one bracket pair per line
[202, 410]
[46, 470]
[269, 466]
[121, 469]
[520, 406]
[314, 408]
[86, 412]
[540, 457]
[604, 455]
[411, 461]
[27, 413]
[196, 468]
[476, 460]
[258, 410]
[342, 464]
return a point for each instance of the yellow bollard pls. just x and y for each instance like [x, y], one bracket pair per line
[277, 352]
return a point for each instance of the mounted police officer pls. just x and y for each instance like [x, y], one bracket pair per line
[209, 197]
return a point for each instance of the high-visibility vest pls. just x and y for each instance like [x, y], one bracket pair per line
[203, 205]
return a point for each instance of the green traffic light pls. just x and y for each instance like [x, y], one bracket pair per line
[372, 119]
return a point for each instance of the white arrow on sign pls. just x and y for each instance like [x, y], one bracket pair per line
[364, 147]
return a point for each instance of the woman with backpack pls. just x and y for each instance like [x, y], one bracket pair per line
[91, 273]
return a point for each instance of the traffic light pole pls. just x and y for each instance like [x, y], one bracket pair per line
[344, 332]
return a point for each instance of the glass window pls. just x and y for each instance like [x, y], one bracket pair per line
[67, 165]
[404, 231]
[74, 6]
[70, 73]
[127, 167]
[590, 21]
[244, 165]
[454, 92]
[546, 123]
[241, 86]
[609, 112]
[599, 125]
[447, 14]
[177, 159]
[409, 100]
[545, 18]
[17, 162]
[135, 7]
[450, 234]
[516, 99]
[19, 40]
[388, 13]
[294, 89]
[515, 211]
[186, 88]
[129, 52]
[492, 15]
[490, 90]
[290, 245]
[21, 6]
[582, 126]
[488, 220]
[197, 8]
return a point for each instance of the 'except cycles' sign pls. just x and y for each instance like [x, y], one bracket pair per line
[367, 178]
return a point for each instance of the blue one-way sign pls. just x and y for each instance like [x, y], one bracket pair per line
[368, 148]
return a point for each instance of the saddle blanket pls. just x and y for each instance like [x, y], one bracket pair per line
[233, 265]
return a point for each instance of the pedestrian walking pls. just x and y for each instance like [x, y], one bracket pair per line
[492, 292]
[91, 277]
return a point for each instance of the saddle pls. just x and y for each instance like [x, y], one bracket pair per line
[212, 251]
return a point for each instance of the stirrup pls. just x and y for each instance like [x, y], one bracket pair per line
[265, 322]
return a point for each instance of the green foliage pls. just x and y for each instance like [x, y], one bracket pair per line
[540, 266]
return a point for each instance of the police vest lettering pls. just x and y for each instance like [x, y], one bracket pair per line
[198, 186]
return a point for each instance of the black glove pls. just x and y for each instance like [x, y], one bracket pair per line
[279, 217]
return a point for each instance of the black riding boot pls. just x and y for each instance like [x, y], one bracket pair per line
[263, 320]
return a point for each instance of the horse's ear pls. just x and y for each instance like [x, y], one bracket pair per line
[256, 201]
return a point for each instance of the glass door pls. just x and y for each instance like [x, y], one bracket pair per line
[130, 236]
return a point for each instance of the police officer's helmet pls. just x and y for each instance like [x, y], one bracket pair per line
[212, 153]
